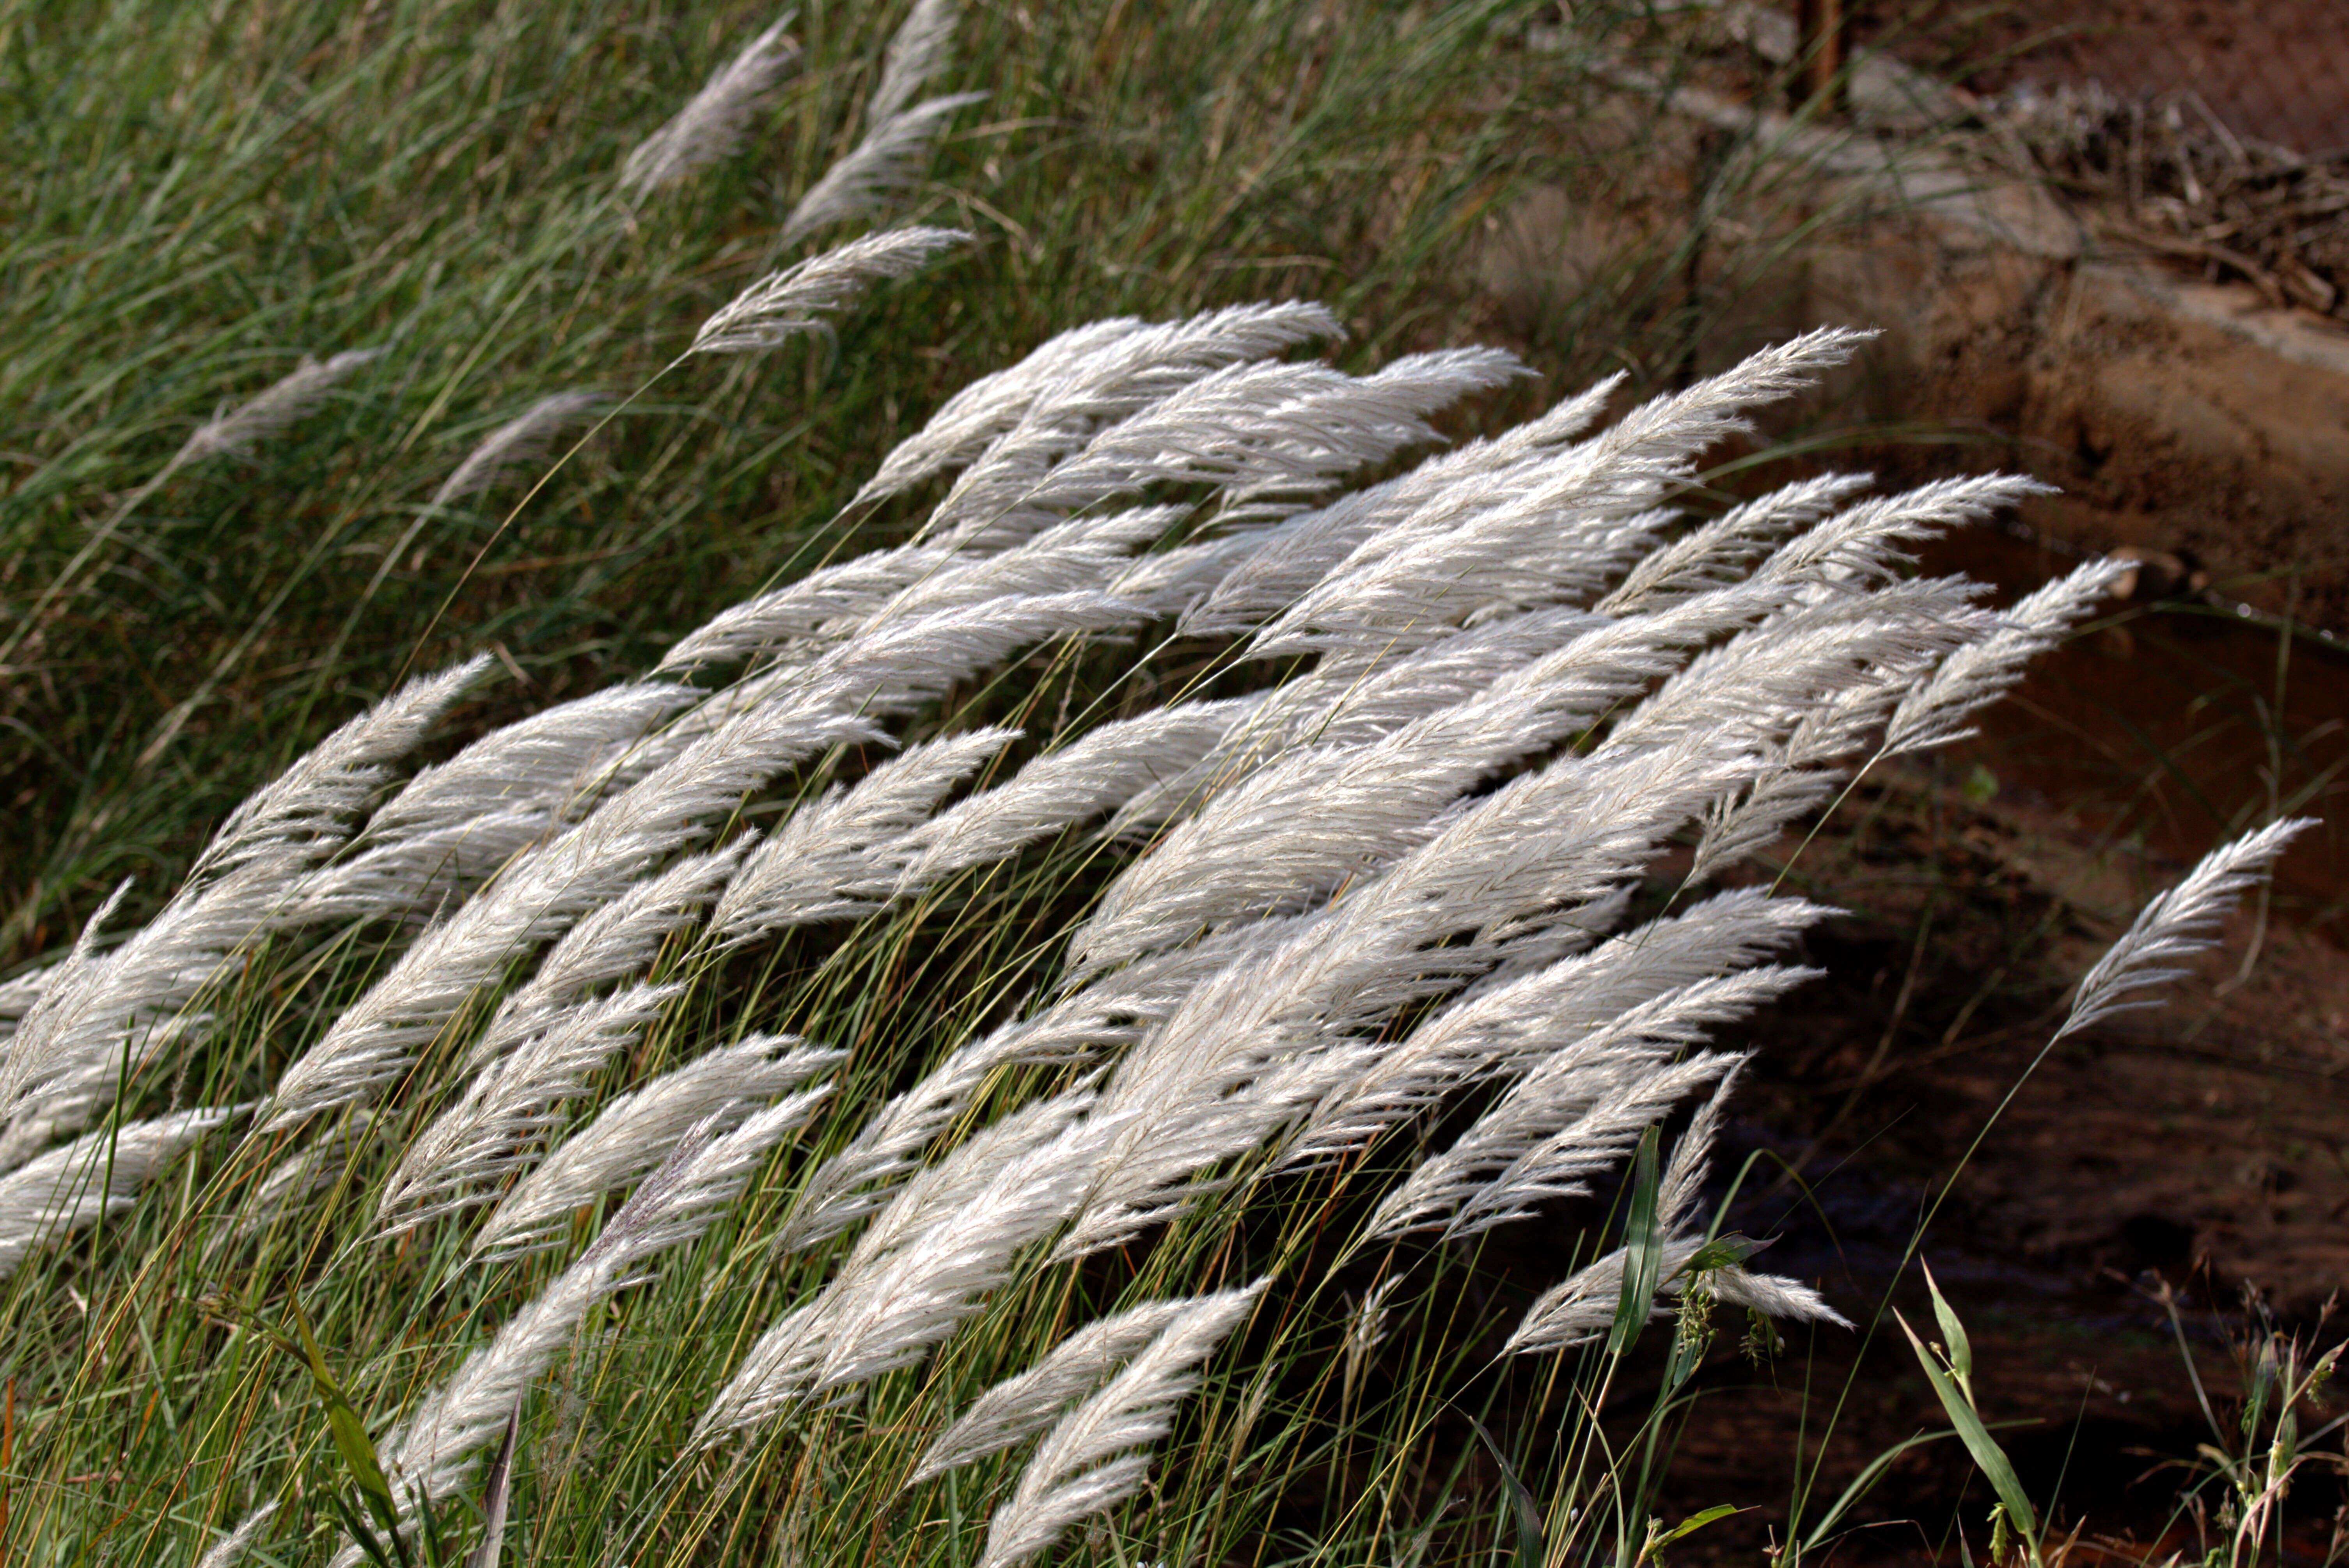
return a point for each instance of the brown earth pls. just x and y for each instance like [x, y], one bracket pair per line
[2202, 1146]
[2275, 69]
[2164, 422]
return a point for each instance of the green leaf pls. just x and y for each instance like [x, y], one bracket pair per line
[1960, 1349]
[1860, 1486]
[1728, 1250]
[427, 1527]
[360, 1533]
[1696, 1522]
[1987, 1455]
[494, 1496]
[1643, 1249]
[351, 1439]
[1688, 1354]
[1532, 1545]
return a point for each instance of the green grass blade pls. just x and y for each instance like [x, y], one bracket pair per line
[1987, 1455]
[1643, 1249]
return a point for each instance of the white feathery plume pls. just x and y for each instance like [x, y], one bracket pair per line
[969, 420]
[235, 432]
[1485, 545]
[1259, 431]
[231, 1549]
[897, 131]
[68, 1102]
[317, 800]
[1915, 704]
[913, 57]
[1509, 1028]
[1525, 947]
[1981, 672]
[458, 821]
[1300, 552]
[1721, 552]
[635, 1131]
[884, 160]
[1684, 1174]
[544, 891]
[1549, 840]
[615, 942]
[1248, 736]
[899, 1302]
[1394, 599]
[1580, 1108]
[1219, 427]
[1584, 1306]
[34, 1119]
[961, 616]
[783, 304]
[1147, 1164]
[1096, 774]
[831, 858]
[845, 599]
[1527, 846]
[1771, 1295]
[1623, 1103]
[870, 1174]
[2177, 925]
[412, 878]
[1169, 581]
[496, 1126]
[17, 996]
[1768, 678]
[1404, 391]
[287, 1191]
[65, 1189]
[1113, 381]
[710, 126]
[864, 1176]
[1019, 1407]
[434, 1446]
[1075, 555]
[1292, 831]
[1346, 704]
[1863, 545]
[1366, 1330]
[894, 665]
[848, 593]
[1050, 402]
[68, 1048]
[946, 1187]
[1087, 1465]
[517, 441]
[948, 1237]
[540, 765]
[1801, 775]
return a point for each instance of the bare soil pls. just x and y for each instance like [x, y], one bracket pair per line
[2198, 1145]
[2200, 1148]
[2275, 69]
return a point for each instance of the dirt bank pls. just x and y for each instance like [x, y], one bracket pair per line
[2197, 1145]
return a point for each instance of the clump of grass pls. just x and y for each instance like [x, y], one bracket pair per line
[763, 1097]
[186, 226]
[1392, 885]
